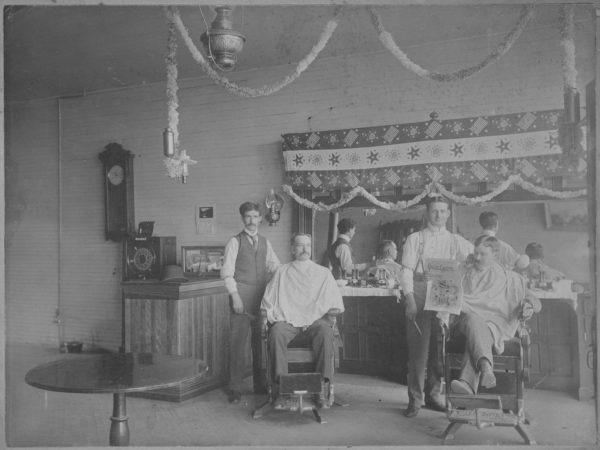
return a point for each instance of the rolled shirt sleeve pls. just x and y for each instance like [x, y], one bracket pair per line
[465, 248]
[409, 262]
[272, 259]
[228, 268]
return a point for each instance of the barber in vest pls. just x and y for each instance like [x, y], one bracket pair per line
[340, 252]
[249, 262]
[424, 360]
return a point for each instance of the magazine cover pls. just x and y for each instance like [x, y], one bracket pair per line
[444, 287]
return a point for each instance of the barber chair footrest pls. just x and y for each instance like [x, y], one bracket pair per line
[472, 402]
[482, 417]
[293, 382]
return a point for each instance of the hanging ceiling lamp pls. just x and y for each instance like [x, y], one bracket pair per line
[222, 43]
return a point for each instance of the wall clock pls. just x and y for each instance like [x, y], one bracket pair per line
[118, 192]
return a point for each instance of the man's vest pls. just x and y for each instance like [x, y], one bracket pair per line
[251, 263]
[336, 264]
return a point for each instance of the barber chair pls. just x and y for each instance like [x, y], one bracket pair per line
[502, 405]
[301, 379]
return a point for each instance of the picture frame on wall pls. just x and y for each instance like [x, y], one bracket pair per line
[564, 215]
[201, 260]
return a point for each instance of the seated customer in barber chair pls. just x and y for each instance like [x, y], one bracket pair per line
[299, 301]
[494, 302]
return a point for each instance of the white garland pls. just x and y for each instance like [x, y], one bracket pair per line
[172, 87]
[433, 187]
[568, 45]
[388, 42]
[358, 190]
[174, 17]
[177, 166]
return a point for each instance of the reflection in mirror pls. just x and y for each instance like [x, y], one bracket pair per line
[368, 232]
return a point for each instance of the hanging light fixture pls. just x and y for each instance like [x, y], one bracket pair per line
[274, 203]
[221, 42]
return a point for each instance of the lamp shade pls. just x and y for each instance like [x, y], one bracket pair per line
[221, 42]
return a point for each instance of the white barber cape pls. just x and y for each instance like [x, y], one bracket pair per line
[300, 293]
[496, 295]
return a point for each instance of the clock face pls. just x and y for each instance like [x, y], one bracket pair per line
[116, 174]
[143, 258]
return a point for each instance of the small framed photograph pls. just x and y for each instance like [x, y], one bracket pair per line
[566, 216]
[202, 260]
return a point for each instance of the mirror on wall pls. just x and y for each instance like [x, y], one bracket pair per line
[565, 240]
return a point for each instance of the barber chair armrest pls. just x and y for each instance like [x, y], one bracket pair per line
[523, 335]
[264, 323]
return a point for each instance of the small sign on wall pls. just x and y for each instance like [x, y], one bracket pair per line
[205, 220]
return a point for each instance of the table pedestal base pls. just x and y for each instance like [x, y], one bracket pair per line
[119, 427]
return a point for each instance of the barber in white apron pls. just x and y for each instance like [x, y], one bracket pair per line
[424, 361]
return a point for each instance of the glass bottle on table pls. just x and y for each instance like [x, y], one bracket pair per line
[355, 275]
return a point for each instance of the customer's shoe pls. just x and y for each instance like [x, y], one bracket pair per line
[461, 387]
[234, 397]
[435, 404]
[488, 379]
[411, 411]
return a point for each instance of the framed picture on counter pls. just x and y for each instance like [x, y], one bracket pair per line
[202, 260]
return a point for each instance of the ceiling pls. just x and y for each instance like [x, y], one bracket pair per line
[72, 50]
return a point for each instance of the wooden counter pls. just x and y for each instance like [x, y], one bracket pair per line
[373, 332]
[561, 340]
[189, 319]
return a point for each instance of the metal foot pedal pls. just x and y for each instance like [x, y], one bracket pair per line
[298, 385]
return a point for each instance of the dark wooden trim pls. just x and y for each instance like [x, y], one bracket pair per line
[593, 213]
[334, 218]
[301, 216]
[153, 289]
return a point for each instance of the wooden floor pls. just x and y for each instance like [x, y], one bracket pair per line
[373, 418]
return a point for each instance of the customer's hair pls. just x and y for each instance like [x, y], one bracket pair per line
[534, 250]
[295, 235]
[249, 206]
[488, 220]
[345, 225]
[384, 249]
[488, 241]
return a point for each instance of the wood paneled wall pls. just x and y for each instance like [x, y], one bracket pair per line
[236, 142]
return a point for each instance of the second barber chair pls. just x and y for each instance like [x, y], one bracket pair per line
[503, 405]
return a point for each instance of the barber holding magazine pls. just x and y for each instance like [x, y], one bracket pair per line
[424, 360]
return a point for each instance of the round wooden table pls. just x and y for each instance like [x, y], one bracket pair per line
[115, 373]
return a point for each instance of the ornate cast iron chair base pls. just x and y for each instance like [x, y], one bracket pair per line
[503, 405]
[299, 383]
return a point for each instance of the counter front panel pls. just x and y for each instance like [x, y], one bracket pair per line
[188, 319]
[373, 333]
